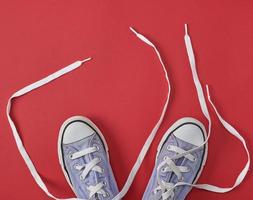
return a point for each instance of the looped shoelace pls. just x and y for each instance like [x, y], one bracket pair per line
[168, 165]
[87, 168]
[152, 135]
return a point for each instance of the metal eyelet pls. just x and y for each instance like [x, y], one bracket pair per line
[104, 183]
[194, 159]
[97, 147]
[75, 166]
[103, 170]
[71, 156]
[181, 179]
[107, 195]
[165, 157]
[163, 170]
[81, 178]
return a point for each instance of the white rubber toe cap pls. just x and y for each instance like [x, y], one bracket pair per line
[76, 131]
[191, 133]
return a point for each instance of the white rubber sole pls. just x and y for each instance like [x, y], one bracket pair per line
[173, 127]
[59, 147]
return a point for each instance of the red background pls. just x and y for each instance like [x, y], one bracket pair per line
[123, 89]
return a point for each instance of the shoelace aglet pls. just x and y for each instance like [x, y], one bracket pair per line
[85, 60]
[141, 37]
[186, 29]
[133, 30]
[207, 91]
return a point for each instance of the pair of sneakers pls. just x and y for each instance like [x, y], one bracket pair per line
[84, 158]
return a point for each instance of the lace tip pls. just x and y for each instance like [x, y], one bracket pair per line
[132, 29]
[85, 60]
[186, 29]
[207, 88]
[208, 91]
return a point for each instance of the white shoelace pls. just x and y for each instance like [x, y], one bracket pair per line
[168, 188]
[58, 74]
[87, 168]
[226, 125]
[151, 137]
[15, 132]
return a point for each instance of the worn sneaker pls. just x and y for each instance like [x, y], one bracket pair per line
[173, 167]
[84, 158]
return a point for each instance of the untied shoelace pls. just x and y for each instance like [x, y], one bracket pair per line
[152, 135]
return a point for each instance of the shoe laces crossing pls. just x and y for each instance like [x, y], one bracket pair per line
[168, 165]
[85, 169]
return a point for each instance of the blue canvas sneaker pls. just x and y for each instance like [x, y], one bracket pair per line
[84, 158]
[174, 165]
